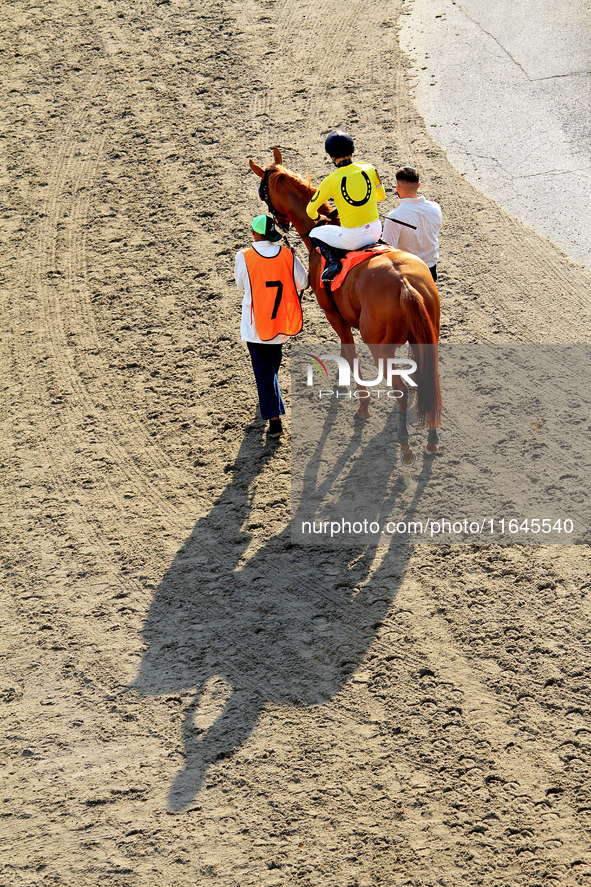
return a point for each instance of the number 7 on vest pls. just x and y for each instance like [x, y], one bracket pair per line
[278, 297]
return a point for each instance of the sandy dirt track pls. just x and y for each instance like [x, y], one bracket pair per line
[186, 698]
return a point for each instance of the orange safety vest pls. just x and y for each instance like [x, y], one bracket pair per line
[275, 303]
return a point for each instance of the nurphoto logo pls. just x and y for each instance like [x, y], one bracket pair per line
[396, 367]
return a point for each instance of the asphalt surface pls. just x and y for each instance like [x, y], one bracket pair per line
[504, 88]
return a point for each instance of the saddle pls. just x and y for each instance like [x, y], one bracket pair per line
[352, 258]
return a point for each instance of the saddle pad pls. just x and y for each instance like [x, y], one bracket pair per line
[354, 258]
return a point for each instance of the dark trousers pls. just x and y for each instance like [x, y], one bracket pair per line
[433, 271]
[266, 360]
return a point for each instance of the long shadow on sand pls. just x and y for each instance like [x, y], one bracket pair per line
[288, 628]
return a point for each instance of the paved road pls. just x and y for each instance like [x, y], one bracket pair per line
[504, 88]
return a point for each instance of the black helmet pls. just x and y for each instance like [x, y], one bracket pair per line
[339, 144]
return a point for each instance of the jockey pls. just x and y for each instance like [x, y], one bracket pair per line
[355, 189]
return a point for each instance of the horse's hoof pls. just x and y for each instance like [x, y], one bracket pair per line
[362, 414]
[408, 458]
[431, 449]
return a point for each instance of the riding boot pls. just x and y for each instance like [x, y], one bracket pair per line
[333, 266]
[332, 256]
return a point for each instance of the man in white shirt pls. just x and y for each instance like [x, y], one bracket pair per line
[272, 274]
[424, 215]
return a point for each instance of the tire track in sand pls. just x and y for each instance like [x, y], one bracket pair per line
[70, 328]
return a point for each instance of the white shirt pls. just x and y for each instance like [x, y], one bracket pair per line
[424, 242]
[265, 248]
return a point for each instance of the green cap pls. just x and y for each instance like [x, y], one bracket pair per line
[266, 226]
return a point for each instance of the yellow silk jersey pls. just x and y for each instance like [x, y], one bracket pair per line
[355, 189]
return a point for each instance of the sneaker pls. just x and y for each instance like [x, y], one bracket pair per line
[275, 428]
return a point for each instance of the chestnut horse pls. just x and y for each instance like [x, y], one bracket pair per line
[391, 299]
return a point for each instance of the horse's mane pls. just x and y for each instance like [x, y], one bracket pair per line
[305, 188]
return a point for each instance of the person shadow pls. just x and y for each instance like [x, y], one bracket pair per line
[288, 625]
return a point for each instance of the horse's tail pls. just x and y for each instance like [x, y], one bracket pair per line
[423, 342]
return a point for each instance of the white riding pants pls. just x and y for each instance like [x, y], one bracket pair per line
[348, 238]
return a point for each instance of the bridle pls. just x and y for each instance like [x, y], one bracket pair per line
[281, 220]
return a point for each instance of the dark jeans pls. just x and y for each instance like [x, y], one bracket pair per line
[266, 360]
[433, 271]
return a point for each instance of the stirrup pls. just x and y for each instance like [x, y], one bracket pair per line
[331, 271]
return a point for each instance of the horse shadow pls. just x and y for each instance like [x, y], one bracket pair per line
[288, 626]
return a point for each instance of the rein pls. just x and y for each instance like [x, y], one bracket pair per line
[283, 222]
[280, 220]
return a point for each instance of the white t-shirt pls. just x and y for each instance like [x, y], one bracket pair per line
[424, 242]
[265, 248]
